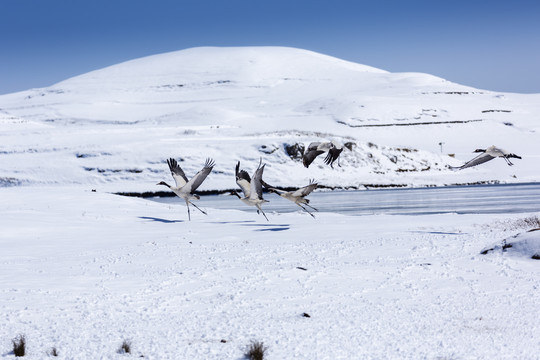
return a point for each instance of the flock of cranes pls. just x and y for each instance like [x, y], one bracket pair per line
[252, 187]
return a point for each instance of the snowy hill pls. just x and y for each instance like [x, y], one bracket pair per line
[113, 128]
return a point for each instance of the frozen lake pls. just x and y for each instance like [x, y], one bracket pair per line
[477, 199]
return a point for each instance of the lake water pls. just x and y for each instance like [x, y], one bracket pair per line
[477, 199]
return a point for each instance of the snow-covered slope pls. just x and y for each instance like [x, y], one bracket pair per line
[113, 128]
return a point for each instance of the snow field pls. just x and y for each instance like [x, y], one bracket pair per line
[82, 271]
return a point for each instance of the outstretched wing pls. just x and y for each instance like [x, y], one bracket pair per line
[199, 177]
[177, 173]
[256, 184]
[311, 153]
[243, 180]
[332, 155]
[480, 159]
[306, 190]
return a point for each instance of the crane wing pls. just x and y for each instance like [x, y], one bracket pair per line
[480, 159]
[243, 180]
[256, 184]
[199, 177]
[306, 190]
[177, 173]
[310, 155]
[332, 155]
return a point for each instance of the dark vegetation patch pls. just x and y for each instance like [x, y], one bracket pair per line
[179, 86]
[19, 345]
[256, 351]
[45, 92]
[268, 149]
[9, 181]
[350, 145]
[454, 92]
[531, 223]
[412, 123]
[407, 150]
[113, 171]
[414, 170]
[294, 151]
[87, 155]
[125, 347]
[170, 86]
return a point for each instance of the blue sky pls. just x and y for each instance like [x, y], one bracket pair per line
[493, 45]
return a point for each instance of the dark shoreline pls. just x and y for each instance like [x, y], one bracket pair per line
[150, 194]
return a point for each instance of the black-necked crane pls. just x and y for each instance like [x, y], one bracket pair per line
[184, 188]
[317, 148]
[488, 154]
[297, 196]
[251, 187]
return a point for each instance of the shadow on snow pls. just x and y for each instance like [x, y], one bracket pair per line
[160, 220]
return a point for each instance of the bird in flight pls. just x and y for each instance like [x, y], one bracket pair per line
[184, 188]
[486, 155]
[317, 148]
[251, 187]
[297, 196]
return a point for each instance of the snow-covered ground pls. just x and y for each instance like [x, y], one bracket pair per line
[84, 270]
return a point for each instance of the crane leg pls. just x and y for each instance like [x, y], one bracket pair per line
[306, 210]
[508, 161]
[196, 207]
[258, 207]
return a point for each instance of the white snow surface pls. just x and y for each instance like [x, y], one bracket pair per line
[84, 270]
[113, 128]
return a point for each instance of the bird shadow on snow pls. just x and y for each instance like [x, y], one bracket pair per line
[274, 229]
[233, 222]
[437, 232]
[270, 227]
[265, 227]
[160, 220]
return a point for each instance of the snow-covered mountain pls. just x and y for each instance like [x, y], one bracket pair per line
[113, 128]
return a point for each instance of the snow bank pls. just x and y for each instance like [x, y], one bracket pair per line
[525, 245]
